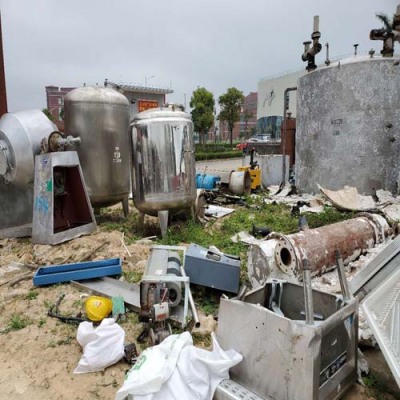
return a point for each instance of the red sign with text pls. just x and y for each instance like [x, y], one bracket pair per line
[144, 105]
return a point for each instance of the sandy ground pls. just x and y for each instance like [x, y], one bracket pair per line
[37, 362]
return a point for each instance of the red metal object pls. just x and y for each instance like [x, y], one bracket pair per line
[351, 238]
[3, 93]
[290, 140]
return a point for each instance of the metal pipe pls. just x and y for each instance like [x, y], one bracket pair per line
[352, 238]
[308, 295]
[283, 138]
[310, 52]
[342, 277]
[192, 305]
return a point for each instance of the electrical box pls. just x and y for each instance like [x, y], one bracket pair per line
[212, 269]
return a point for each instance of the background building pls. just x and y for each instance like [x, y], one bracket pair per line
[55, 103]
[270, 101]
[142, 98]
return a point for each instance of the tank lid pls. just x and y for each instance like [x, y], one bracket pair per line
[361, 58]
[169, 110]
[96, 94]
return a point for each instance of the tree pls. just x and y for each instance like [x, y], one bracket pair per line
[47, 113]
[202, 104]
[388, 24]
[230, 103]
[247, 116]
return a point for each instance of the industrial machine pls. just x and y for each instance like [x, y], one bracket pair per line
[163, 287]
[163, 172]
[61, 208]
[254, 171]
[20, 136]
[100, 116]
[297, 343]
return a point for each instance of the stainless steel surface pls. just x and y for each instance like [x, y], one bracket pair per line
[100, 117]
[342, 278]
[284, 358]
[192, 305]
[377, 270]
[163, 175]
[382, 310]
[308, 295]
[230, 390]
[71, 205]
[20, 137]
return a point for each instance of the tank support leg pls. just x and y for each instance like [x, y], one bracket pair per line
[163, 217]
[125, 207]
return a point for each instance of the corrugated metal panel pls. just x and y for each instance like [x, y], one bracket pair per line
[382, 310]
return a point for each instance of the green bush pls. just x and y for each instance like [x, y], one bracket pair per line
[218, 156]
[214, 147]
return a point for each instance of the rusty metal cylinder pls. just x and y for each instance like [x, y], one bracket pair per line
[352, 238]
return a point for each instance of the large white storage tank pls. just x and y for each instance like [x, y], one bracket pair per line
[348, 126]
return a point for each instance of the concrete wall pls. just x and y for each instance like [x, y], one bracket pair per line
[271, 170]
[348, 126]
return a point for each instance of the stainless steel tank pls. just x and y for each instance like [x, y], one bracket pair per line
[163, 176]
[20, 137]
[348, 126]
[100, 117]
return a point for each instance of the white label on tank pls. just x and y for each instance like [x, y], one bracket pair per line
[117, 156]
[159, 272]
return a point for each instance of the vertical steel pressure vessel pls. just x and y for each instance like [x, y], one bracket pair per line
[163, 176]
[348, 126]
[100, 117]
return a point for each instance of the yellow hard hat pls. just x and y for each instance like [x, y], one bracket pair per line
[97, 308]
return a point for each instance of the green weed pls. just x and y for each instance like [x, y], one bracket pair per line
[32, 295]
[132, 276]
[17, 322]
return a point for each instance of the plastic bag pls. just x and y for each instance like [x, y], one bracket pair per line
[154, 366]
[102, 346]
[196, 375]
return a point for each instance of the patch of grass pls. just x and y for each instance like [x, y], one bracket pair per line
[78, 303]
[114, 221]
[209, 306]
[375, 388]
[201, 340]
[17, 322]
[48, 304]
[133, 276]
[41, 322]
[32, 295]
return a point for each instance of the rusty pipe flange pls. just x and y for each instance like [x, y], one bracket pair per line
[379, 224]
[286, 257]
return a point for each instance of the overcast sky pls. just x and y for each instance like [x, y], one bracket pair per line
[183, 43]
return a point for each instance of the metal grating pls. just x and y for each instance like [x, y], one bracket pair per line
[382, 310]
[230, 390]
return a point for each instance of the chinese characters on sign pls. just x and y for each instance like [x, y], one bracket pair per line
[144, 105]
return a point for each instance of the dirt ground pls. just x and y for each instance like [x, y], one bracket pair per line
[39, 353]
